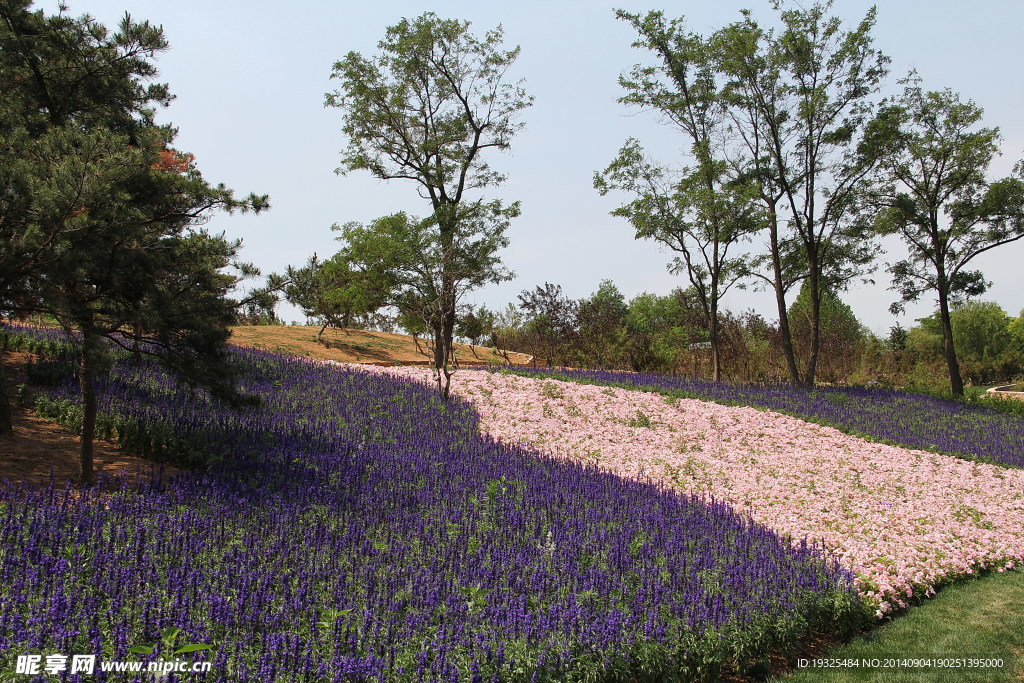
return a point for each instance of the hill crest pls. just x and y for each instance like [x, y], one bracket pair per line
[363, 346]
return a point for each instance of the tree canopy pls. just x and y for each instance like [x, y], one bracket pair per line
[67, 84]
[550, 321]
[799, 98]
[703, 211]
[933, 192]
[101, 214]
[413, 266]
[426, 109]
[333, 293]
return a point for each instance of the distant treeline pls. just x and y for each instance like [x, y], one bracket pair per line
[667, 333]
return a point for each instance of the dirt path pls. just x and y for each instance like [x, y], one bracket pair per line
[40, 447]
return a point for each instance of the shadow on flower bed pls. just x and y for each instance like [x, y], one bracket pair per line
[357, 528]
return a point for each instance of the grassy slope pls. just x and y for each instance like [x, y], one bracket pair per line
[360, 346]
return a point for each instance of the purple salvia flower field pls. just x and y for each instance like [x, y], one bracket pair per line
[357, 528]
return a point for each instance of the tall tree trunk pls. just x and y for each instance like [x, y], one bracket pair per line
[444, 331]
[442, 353]
[86, 372]
[716, 366]
[449, 335]
[814, 282]
[956, 383]
[439, 350]
[6, 418]
[780, 297]
[136, 334]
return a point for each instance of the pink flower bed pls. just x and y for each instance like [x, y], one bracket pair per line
[902, 520]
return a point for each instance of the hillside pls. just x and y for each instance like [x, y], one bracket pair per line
[41, 447]
[362, 346]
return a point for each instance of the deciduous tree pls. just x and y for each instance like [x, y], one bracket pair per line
[550, 320]
[934, 193]
[799, 98]
[704, 211]
[418, 267]
[601, 320]
[426, 109]
[659, 334]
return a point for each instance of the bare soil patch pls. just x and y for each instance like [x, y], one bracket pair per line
[41, 448]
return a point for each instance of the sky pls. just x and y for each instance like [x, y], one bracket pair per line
[250, 79]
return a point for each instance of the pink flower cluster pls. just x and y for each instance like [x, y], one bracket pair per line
[902, 520]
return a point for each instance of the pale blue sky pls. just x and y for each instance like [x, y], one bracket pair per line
[250, 79]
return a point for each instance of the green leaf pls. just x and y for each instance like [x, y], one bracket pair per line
[170, 633]
[194, 647]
